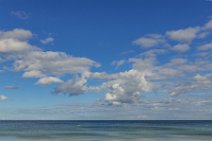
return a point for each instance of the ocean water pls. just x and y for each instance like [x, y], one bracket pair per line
[105, 130]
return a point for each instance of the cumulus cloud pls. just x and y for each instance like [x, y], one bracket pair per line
[73, 87]
[177, 61]
[55, 63]
[208, 25]
[17, 33]
[47, 66]
[149, 41]
[48, 80]
[153, 53]
[12, 45]
[33, 74]
[176, 74]
[183, 35]
[48, 40]
[206, 54]
[205, 47]
[168, 72]
[126, 87]
[3, 97]
[199, 83]
[158, 68]
[143, 64]
[121, 88]
[181, 47]
[185, 82]
[14, 41]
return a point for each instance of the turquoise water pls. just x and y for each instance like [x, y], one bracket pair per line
[105, 130]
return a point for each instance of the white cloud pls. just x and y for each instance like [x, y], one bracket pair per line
[143, 65]
[33, 74]
[177, 61]
[73, 87]
[2, 98]
[166, 72]
[152, 53]
[188, 66]
[12, 45]
[206, 54]
[208, 25]
[48, 40]
[100, 75]
[36, 63]
[53, 63]
[149, 41]
[203, 34]
[199, 83]
[14, 41]
[181, 48]
[201, 79]
[17, 33]
[174, 74]
[183, 35]
[126, 87]
[20, 14]
[48, 80]
[205, 47]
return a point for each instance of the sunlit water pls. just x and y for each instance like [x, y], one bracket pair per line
[105, 130]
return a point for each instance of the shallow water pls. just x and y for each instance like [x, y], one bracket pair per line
[105, 130]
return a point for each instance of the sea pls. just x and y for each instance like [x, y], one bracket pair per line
[111, 130]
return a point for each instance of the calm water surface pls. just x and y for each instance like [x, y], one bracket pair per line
[105, 130]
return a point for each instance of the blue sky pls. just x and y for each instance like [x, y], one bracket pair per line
[103, 59]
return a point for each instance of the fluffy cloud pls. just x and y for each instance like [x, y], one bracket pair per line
[168, 72]
[153, 53]
[48, 40]
[53, 63]
[2, 98]
[14, 41]
[181, 47]
[174, 76]
[73, 87]
[199, 83]
[18, 34]
[208, 25]
[183, 35]
[149, 41]
[205, 47]
[126, 87]
[158, 69]
[33, 74]
[178, 74]
[48, 80]
[13, 45]
[48, 66]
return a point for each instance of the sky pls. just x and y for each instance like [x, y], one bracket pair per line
[105, 59]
